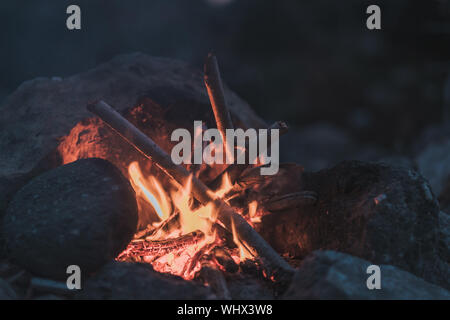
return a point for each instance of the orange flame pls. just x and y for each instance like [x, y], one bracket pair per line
[182, 262]
[225, 186]
[244, 253]
[150, 190]
[252, 209]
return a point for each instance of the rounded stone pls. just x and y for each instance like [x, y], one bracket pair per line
[83, 213]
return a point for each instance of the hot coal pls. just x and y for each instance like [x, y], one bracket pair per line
[335, 275]
[385, 214]
[83, 213]
[135, 281]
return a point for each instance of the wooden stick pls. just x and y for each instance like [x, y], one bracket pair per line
[216, 95]
[275, 265]
[224, 259]
[235, 170]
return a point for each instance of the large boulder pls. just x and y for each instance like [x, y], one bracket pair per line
[83, 213]
[385, 214]
[134, 281]
[335, 275]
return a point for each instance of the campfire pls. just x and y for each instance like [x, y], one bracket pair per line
[194, 220]
[106, 195]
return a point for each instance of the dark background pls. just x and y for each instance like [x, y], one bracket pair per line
[302, 61]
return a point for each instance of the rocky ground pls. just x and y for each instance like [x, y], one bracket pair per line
[385, 209]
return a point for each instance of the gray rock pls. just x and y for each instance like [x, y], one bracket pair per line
[246, 288]
[387, 215]
[83, 213]
[335, 275]
[134, 281]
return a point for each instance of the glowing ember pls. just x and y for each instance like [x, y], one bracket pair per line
[177, 250]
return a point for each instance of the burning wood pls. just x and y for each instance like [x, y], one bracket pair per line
[234, 171]
[141, 248]
[224, 259]
[213, 83]
[254, 243]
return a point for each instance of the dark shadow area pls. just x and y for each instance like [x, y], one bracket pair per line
[303, 61]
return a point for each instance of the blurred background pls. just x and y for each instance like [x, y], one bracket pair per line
[312, 63]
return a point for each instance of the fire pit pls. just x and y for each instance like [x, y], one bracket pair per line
[217, 231]
[185, 237]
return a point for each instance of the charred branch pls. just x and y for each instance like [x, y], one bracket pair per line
[216, 95]
[214, 278]
[234, 171]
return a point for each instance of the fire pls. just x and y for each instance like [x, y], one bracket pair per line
[244, 253]
[184, 231]
[192, 220]
[181, 261]
[252, 211]
[225, 187]
[150, 190]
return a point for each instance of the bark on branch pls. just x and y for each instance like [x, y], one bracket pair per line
[216, 95]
